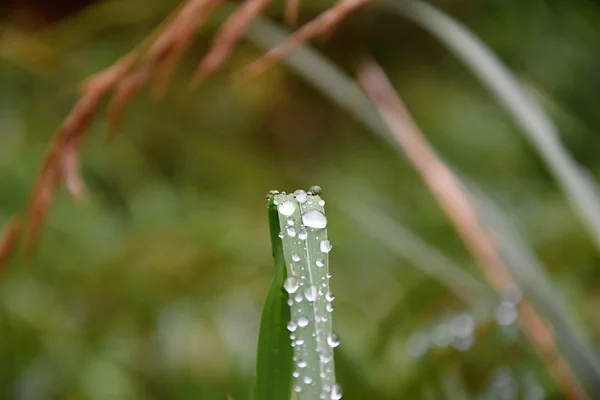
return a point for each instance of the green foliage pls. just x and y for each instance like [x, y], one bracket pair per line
[303, 227]
[274, 357]
[154, 289]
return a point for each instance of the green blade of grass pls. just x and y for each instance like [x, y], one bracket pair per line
[274, 358]
[305, 247]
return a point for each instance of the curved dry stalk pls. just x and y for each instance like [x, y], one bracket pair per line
[162, 56]
[320, 25]
[452, 198]
[158, 56]
[290, 16]
[227, 37]
[11, 237]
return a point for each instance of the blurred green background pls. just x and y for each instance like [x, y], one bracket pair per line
[153, 289]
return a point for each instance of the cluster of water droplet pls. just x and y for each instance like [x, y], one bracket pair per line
[506, 385]
[303, 225]
[506, 312]
[459, 330]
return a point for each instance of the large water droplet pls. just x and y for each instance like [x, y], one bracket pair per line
[336, 392]
[512, 294]
[462, 325]
[291, 231]
[310, 293]
[329, 296]
[307, 380]
[506, 313]
[295, 257]
[325, 246]
[315, 189]
[292, 326]
[302, 235]
[301, 196]
[302, 322]
[463, 343]
[314, 219]
[320, 262]
[287, 208]
[442, 335]
[333, 340]
[291, 285]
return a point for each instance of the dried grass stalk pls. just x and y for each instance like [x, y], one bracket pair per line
[451, 196]
[323, 24]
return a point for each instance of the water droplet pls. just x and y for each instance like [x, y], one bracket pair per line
[291, 231]
[329, 307]
[298, 297]
[295, 257]
[290, 302]
[336, 392]
[299, 342]
[292, 326]
[307, 380]
[297, 388]
[314, 219]
[506, 313]
[301, 196]
[314, 189]
[302, 235]
[320, 262]
[287, 208]
[442, 335]
[296, 373]
[462, 325]
[328, 275]
[512, 294]
[417, 345]
[302, 364]
[324, 358]
[310, 293]
[329, 296]
[463, 343]
[291, 285]
[292, 336]
[325, 246]
[281, 235]
[290, 221]
[333, 340]
[302, 322]
[321, 203]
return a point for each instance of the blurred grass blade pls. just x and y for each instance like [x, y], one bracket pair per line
[526, 267]
[343, 91]
[274, 358]
[303, 227]
[415, 250]
[577, 183]
[322, 74]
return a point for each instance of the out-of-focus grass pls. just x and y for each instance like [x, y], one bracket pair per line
[149, 291]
